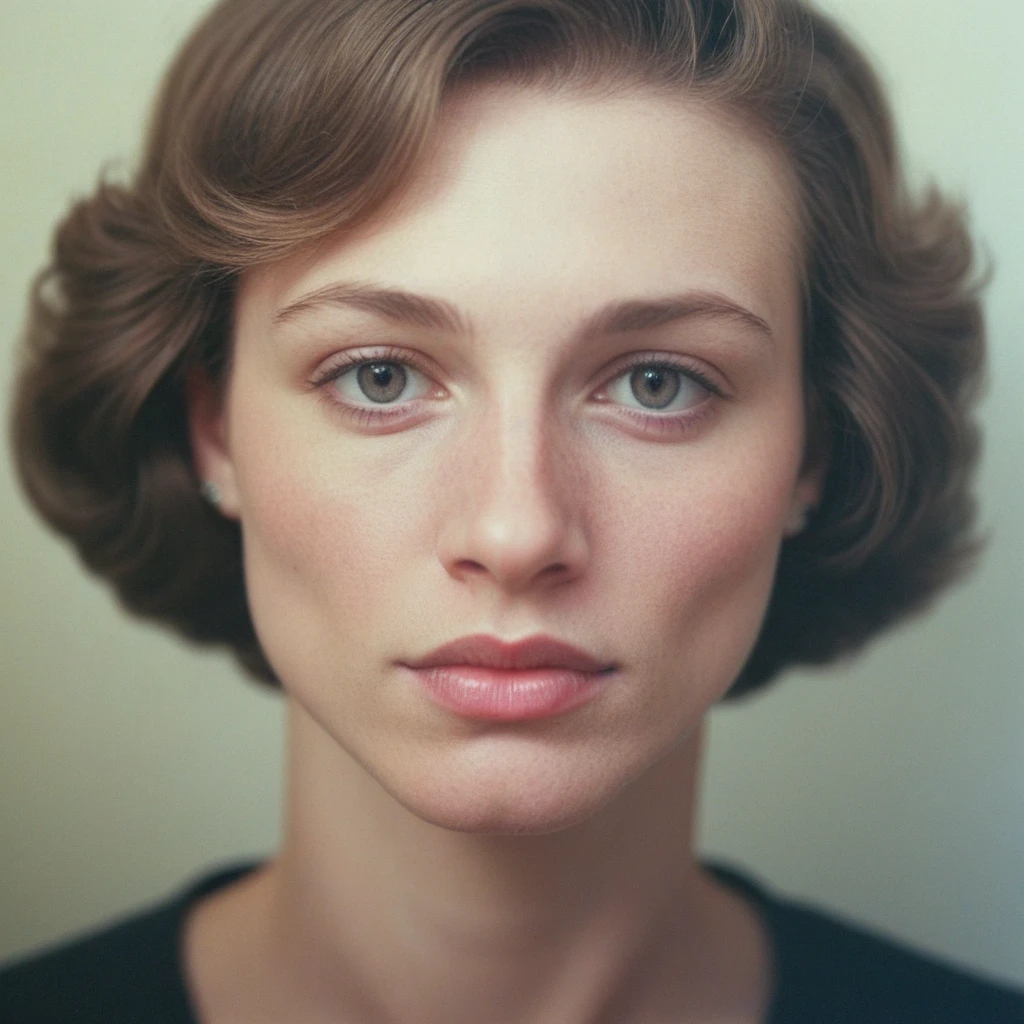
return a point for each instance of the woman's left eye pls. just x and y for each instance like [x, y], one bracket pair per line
[660, 388]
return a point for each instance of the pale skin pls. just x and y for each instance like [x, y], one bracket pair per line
[436, 868]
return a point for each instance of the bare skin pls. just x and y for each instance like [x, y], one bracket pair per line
[436, 868]
[395, 920]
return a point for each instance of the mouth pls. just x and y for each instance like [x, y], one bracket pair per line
[484, 678]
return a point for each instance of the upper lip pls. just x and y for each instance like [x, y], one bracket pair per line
[531, 652]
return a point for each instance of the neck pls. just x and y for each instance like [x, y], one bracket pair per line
[369, 907]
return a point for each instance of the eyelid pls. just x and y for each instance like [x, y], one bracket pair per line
[349, 360]
[685, 365]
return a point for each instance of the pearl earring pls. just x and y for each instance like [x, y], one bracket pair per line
[210, 492]
[797, 521]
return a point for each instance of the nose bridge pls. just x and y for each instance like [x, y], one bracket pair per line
[518, 516]
[517, 458]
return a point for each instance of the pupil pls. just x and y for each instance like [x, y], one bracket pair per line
[381, 382]
[655, 386]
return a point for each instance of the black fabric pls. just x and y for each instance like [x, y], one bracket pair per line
[830, 972]
[826, 972]
[130, 972]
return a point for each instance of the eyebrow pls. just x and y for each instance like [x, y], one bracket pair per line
[620, 317]
[388, 303]
[647, 314]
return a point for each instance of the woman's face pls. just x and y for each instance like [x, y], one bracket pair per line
[578, 413]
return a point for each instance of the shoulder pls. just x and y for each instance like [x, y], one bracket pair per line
[830, 969]
[125, 973]
[853, 974]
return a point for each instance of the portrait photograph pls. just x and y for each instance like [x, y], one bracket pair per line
[513, 512]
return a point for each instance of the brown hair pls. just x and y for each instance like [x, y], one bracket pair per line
[284, 120]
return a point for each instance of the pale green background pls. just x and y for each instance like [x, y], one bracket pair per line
[892, 790]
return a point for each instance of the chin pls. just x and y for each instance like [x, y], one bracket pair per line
[538, 798]
[500, 819]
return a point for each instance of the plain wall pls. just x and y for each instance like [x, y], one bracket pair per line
[891, 789]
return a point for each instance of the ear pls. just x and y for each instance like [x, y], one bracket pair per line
[810, 484]
[805, 499]
[207, 427]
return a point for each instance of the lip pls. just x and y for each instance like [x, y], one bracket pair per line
[486, 678]
[529, 653]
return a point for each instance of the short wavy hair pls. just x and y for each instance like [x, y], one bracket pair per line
[282, 121]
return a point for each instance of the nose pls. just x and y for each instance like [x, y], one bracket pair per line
[515, 514]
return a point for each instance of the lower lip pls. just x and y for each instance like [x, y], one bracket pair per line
[499, 695]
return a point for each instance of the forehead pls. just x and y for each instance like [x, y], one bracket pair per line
[576, 197]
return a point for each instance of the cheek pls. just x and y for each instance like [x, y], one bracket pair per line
[326, 543]
[697, 567]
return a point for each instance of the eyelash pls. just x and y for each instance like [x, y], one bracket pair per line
[653, 422]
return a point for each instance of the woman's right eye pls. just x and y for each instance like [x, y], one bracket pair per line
[380, 382]
[374, 387]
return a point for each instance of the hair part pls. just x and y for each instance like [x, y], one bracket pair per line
[284, 121]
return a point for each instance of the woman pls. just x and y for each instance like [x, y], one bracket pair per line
[508, 383]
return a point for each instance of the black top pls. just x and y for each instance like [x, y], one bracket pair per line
[826, 972]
